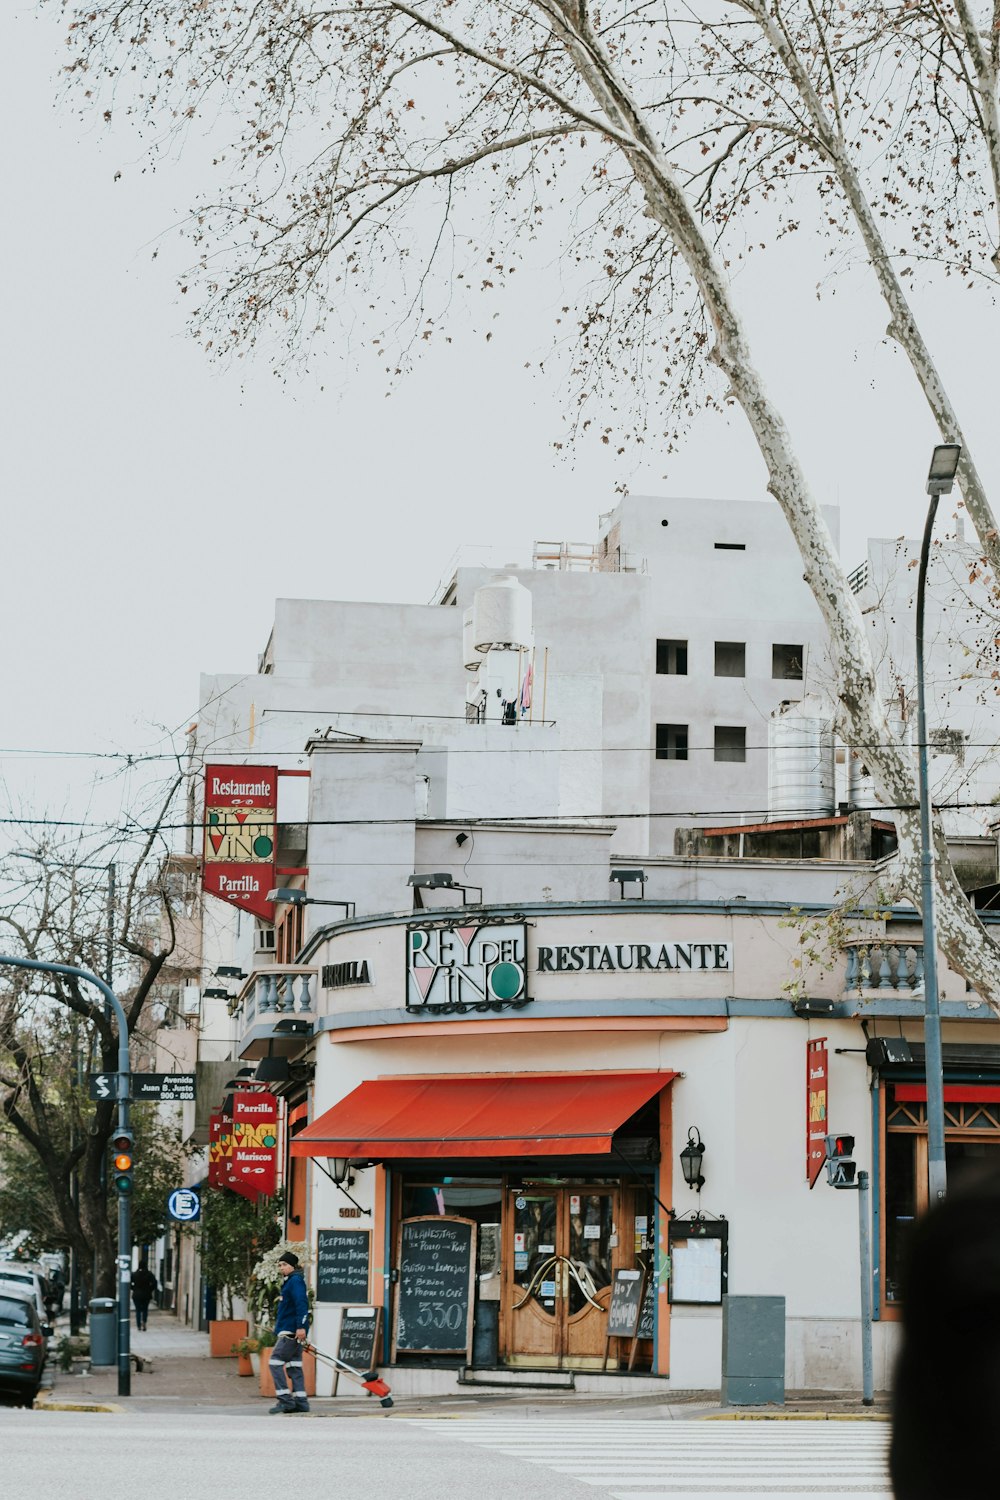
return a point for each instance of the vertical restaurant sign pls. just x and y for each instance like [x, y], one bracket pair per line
[241, 810]
[252, 1168]
[817, 1112]
[215, 1149]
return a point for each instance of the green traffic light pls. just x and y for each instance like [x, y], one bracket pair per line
[123, 1185]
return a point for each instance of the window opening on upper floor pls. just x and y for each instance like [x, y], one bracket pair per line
[786, 662]
[672, 658]
[730, 546]
[671, 742]
[730, 742]
[730, 659]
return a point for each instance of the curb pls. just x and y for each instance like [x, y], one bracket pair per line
[41, 1404]
[798, 1416]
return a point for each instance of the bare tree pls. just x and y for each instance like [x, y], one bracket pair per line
[376, 141]
[54, 1028]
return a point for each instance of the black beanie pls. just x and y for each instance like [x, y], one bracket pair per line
[289, 1259]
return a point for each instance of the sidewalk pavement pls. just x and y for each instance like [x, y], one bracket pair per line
[178, 1375]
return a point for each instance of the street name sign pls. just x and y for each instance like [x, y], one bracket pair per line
[163, 1088]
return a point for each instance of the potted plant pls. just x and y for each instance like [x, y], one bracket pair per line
[247, 1351]
[234, 1231]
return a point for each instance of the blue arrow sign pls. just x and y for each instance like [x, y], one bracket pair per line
[184, 1205]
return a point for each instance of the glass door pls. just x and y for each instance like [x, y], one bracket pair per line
[558, 1270]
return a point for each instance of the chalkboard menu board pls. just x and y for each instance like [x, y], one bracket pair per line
[646, 1325]
[358, 1345]
[626, 1300]
[342, 1257]
[436, 1262]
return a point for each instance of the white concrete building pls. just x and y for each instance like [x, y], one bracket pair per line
[524, 1068]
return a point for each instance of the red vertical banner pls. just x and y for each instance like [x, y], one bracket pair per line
[817, 1111]
[215, 1178]
[241, 818]
[253, 1167]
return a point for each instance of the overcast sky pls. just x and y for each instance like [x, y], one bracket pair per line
[157, 504]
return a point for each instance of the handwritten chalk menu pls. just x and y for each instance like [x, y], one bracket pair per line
[626, 1300]
[342, 1257]
[436, 1260]
[646, 1323]
[358, 1344]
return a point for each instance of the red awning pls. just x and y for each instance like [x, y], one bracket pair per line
[522, 1114]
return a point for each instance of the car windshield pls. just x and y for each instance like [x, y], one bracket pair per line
[24, 1276]
[14, 1313]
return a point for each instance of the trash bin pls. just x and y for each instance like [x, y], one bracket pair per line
[103, 1331]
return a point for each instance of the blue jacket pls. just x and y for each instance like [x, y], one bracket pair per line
[293, 1306]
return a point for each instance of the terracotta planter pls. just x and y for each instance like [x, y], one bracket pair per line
[244, 1364]
[223, 1333]
[308, 1373]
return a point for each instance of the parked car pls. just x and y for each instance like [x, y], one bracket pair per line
[16, 1275]
[23, 1344]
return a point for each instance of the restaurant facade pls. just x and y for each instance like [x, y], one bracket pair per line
[506, 1105]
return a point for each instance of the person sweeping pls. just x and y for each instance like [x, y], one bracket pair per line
[290, 1326]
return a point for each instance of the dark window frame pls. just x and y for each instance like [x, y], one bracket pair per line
[672, 741]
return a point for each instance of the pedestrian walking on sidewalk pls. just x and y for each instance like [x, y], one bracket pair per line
[290, 1328]
[143, 1291]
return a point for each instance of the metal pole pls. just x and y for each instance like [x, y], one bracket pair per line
[864, 1236]
[937, 1176]
[109, 936]
[124, 1205]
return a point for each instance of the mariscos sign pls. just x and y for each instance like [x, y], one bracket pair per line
[475, 967]
[241, 812]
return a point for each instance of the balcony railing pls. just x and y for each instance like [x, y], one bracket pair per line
[278, 990]
[884, 966]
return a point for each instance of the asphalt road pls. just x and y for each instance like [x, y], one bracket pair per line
[215, 1456]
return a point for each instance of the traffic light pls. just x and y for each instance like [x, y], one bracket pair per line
[841, 1169]
[121, 1147]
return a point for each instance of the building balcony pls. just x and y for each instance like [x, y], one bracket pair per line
[270, 993]
[878, 967]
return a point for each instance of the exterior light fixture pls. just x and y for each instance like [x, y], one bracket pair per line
[338, 1169]
[229, 971]
[216, 994]
[944, 467]
[440, 880]
[691, 1159]
[273, 1070]
[288, 1027]
[630, 877]
[291, 895]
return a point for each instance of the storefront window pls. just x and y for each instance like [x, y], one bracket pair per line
[900, 1205]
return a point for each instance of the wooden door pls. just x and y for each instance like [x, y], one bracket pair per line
[557, 1275]
[532, 1283]
[592, 1224]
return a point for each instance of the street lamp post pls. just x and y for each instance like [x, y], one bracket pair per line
[124, 1205]
[940, 480]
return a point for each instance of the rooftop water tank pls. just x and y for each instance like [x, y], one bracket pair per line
[800, 761]
[501, 616]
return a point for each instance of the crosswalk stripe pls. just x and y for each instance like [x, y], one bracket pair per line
[645, 1459]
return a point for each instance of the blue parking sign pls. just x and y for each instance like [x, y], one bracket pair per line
[184, 1205]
